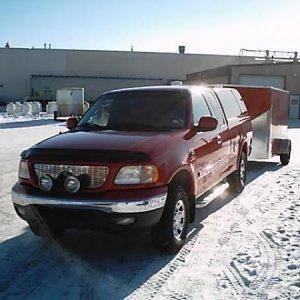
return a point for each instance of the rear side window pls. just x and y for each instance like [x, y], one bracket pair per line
[200, 107]
[215, 107]
[239, 100]
[228, 102]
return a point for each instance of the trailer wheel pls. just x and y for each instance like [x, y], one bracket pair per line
[169, 234]
[285, 157]
[237, 179]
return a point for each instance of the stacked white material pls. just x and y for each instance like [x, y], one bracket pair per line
[10, 108]
[51, 107]
[35, 108]
[40, 105]
[25, 109]
[18, 108]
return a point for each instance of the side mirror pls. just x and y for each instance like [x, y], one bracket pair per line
[71, 123]
[207, 123]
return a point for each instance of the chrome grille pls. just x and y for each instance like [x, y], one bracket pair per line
[97, 174]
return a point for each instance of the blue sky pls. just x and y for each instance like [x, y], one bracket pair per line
[153, 25]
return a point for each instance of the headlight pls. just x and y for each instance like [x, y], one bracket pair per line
[137, 175]
[23, 170]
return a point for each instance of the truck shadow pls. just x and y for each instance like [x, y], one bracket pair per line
[257, 168]
[95, 265]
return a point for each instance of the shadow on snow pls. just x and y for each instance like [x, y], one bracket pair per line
[108, 265]
[27, 123]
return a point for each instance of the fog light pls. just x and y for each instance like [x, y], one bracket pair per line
[72, 184]
[46, 183]
[125, 221]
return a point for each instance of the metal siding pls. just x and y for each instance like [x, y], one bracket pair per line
[262, 80]
[294, 112]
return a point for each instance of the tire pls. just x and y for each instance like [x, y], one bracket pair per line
[285, 157]
[237, 179]
[55, 115]
[169, 234]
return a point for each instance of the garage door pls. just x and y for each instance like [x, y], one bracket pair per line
[294, 106]
[262, 80]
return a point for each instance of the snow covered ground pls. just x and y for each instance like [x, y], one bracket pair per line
[240, 247]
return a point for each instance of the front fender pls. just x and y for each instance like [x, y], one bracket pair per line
[188, 172]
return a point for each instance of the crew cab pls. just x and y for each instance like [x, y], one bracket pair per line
[139, 157]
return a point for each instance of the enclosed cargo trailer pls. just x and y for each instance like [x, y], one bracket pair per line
[268, 108]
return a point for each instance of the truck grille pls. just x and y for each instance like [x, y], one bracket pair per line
[97, 174]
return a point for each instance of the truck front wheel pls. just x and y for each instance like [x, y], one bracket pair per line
[237, 179]
[170, 233]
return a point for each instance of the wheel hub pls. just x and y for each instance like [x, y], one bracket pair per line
[179, 219]
[242, 172]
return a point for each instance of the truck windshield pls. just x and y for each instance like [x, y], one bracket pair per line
[137, 111]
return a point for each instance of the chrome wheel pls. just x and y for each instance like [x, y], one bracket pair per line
[179, 219]
[242, 171]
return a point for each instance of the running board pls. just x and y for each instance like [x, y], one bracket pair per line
[214, 193]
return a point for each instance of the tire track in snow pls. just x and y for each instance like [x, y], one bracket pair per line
[271, 257]
[174, 286]
[149, 289]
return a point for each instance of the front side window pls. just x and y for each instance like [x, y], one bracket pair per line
[138, 110]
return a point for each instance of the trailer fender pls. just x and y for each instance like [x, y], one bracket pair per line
[281, 146]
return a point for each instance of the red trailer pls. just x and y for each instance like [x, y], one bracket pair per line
[268, 108]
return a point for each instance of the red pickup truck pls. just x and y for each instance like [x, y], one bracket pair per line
[139, 157]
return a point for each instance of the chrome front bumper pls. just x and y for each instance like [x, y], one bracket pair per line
[21, 196]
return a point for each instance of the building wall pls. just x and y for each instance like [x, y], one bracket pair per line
[46, 87]
[281, 75]
[290, 72]
[17, 65]
[210, 80]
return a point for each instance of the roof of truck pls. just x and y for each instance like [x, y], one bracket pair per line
[159, 88]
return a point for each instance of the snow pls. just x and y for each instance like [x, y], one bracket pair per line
[241, 247]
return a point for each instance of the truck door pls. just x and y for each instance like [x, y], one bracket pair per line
[223, 136]
[232, 112]
[204, 147]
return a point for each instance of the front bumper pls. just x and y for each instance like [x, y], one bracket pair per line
[149, 200]
[144, 207]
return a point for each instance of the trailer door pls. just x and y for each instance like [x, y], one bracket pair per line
[294, 106]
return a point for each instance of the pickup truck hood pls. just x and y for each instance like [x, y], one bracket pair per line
[143, 142]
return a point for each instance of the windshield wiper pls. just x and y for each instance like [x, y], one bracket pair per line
[136, 126]
[92, 126]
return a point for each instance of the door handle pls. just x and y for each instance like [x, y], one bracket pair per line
[192, 155]
[219, 139]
